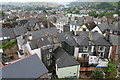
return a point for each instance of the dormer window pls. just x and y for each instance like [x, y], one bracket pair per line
[101, 49]
[85, 48]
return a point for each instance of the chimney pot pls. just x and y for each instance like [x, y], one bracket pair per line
[47, 34]
[30, 37]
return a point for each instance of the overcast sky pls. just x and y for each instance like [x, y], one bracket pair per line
[36, 0]
[58, 0]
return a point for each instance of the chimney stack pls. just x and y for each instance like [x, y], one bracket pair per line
[49, 38]
[48, 24]
[75, 31]
[30, 37]
[55, 39]
[90, 36]
[47, 34]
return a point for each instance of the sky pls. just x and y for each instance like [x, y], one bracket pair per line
[36, 0]
[58, 1]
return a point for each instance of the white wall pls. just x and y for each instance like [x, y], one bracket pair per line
[93, 60]
[92, 49]
[72, 27]
[28, 47]
[102, 63]
[38, 51]
[80, 54]
[69, 71]
[56, 69]
[76, 50]
[97, 29]
[110, 51]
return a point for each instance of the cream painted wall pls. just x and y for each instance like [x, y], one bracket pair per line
[83, 26]
[68, 71]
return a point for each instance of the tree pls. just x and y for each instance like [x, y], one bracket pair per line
[44, 11]
[112, 71]
[76, 12]
[98, 73]
[93, 13]
[2, 14]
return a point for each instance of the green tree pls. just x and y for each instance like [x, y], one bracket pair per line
[2, 14]
[112, 71]
[93, 13]
[98, 73]
[44, 11]
[77, 12]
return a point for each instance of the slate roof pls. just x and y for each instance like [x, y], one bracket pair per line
[90, 25]
[40, 42]
[97, 20]
[70, 40]
[43, 25]
[63, 59]
[63, 20]
[32, 22]
[98, 39]
[80, 21]
[66, 37]
[103, 27]
[8, 32]
[19, 31]
[115, 40]
[31, 67]
[115, 26]
[101, 42]
[23, 21]
[61, 37]
[82, 41]
[42, 33]
[88, 19]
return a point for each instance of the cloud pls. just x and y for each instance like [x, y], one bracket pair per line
[97, 0]
[36, 0]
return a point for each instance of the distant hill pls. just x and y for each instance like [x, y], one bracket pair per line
[78, 3]
[103, 5]
[49, 4]
[97, 5]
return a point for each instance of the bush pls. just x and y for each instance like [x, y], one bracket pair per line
[98, 73]
[8, 45]
[112, 70]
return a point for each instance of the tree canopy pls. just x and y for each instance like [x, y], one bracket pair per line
[98, 73]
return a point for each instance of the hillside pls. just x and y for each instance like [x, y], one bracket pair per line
[96, 5]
